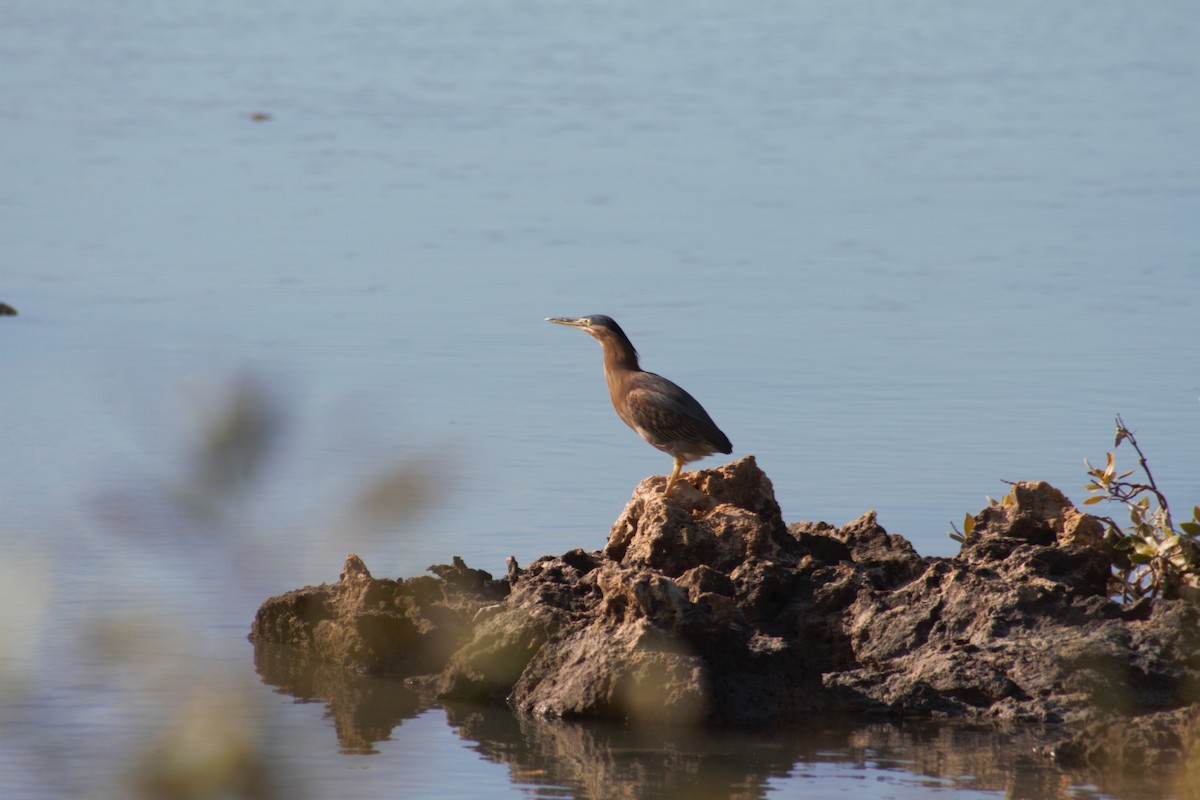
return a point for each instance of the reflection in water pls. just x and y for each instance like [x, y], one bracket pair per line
[616, 761]
[609, 760]
[551, 757]
[364, 708]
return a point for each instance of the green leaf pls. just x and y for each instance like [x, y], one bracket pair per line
[1145, 548]
[1092, 487]
[1190, 528]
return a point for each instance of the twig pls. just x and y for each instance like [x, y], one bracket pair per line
[1125, 433]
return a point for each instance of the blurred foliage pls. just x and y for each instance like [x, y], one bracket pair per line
[213, 747]
[236, 432]
[1155, 556]
[178, 720]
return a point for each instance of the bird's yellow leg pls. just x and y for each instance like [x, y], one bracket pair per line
[674, 477]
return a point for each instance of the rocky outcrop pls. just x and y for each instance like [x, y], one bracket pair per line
[709, 608]
[381, 626]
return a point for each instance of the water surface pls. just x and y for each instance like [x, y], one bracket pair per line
[901, 255]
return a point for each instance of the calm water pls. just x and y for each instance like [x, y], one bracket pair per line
[901, 254]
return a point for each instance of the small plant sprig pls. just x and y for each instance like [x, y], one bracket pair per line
[1154, 557]
[968, 524]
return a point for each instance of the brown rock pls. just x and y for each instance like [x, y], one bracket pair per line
[735, 517]
[707, 608]
[371, 625]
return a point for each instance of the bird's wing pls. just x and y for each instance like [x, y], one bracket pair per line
[669, 413]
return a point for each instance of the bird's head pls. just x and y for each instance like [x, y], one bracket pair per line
[602, 328]
[596, 325]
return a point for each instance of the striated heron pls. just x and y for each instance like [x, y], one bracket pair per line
[662, 413]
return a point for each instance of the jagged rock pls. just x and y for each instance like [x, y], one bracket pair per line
[733, 516]
[708, 608]
[487, 666]
[379, 626]
[632, 659]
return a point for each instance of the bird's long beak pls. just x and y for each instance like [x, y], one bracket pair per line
[574, 322]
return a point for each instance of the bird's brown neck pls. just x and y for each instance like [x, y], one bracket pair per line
[619, 366]
[618, 360]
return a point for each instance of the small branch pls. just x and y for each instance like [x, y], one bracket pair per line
[1125, 433]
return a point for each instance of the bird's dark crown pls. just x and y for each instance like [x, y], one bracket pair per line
[602, 321]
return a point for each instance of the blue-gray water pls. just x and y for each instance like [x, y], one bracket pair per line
[901, 253]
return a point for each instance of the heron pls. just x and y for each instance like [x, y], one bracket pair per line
[660, 411]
